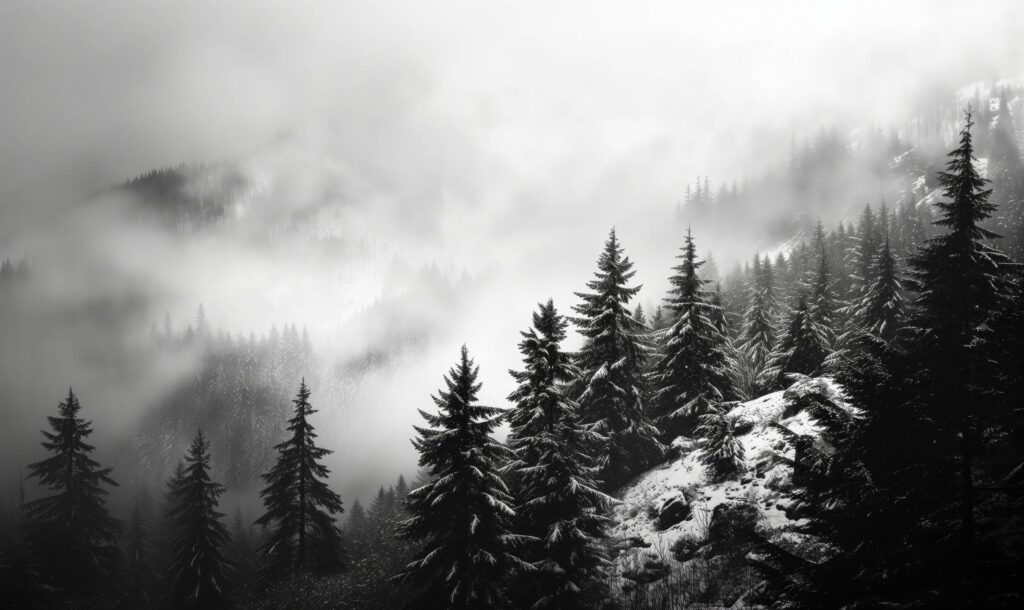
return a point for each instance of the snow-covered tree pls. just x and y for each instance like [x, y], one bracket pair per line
[694, 371]
[199, 568]
[300, 507]
[721, 451]
[611, 388]
[71, 529]
[881, 310]
[758, 336]
[558, 501]
[802, 349]
[463, 515]
[866, 243]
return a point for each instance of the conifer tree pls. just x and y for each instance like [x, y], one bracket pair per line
[658, 319]
[802, 349]
[300, 507]
[558, 502]
[199, 568]
[693, 373]
[463, 514]
[866, 245]
[881, 309]
[72, 530]
[822, 304]
[721, 451]
[611, 388]
[401, 494]
[758, 337]
[356, 531]
[961, 283]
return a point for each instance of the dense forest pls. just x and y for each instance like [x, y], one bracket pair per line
[907, 492]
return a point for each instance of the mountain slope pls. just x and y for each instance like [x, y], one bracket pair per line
[668, 517]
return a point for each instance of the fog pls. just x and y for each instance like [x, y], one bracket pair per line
[495, 142]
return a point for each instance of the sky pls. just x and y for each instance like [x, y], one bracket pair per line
[497, 139]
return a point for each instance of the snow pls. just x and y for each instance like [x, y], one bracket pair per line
[635, 519]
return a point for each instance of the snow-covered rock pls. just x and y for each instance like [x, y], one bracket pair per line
[666, 512]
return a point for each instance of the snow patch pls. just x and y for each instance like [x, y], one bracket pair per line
[764, 484]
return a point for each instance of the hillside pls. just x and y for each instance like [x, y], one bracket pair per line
[665, 526]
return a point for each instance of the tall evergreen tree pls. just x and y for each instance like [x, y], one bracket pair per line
[611, 388]
[356, 531]
[802, 349]
[758, 336]
[300, 507]
[199, 568]
[880, 311]
[866, 244]
[693, 373]
[463, 514]
[961, 283]
[72, 530]
[559, 504]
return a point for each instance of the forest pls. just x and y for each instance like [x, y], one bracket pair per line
[904, 486]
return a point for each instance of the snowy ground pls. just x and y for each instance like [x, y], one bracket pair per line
[636, 519]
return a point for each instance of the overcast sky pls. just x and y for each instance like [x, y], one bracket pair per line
[93, 93]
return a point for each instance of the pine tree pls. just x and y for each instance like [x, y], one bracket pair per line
[822, 305]
[463, 514]
[880, 311]
[611, 389]
[401, 494]
[961, 283]
[721, 451]
[866, 245]
[802, 349]
[758, 337]
[199, 568]
[658, 321]
[300, 507]
[693, 373]
[356, 531]
[559, 504]
[75, 535]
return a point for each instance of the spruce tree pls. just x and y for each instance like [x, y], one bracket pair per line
[961, 284]
[356, 531]
[758, 336]
[802, 349]
[75, 535]
[721, 451]
[199, 568]
[558, 501]
[693, 373]
[611, 388]
[866, 245]
[300, 507]
[881, 310]
[822, 304]
[463, 515]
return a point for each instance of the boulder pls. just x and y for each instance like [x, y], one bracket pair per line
[673, 509]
